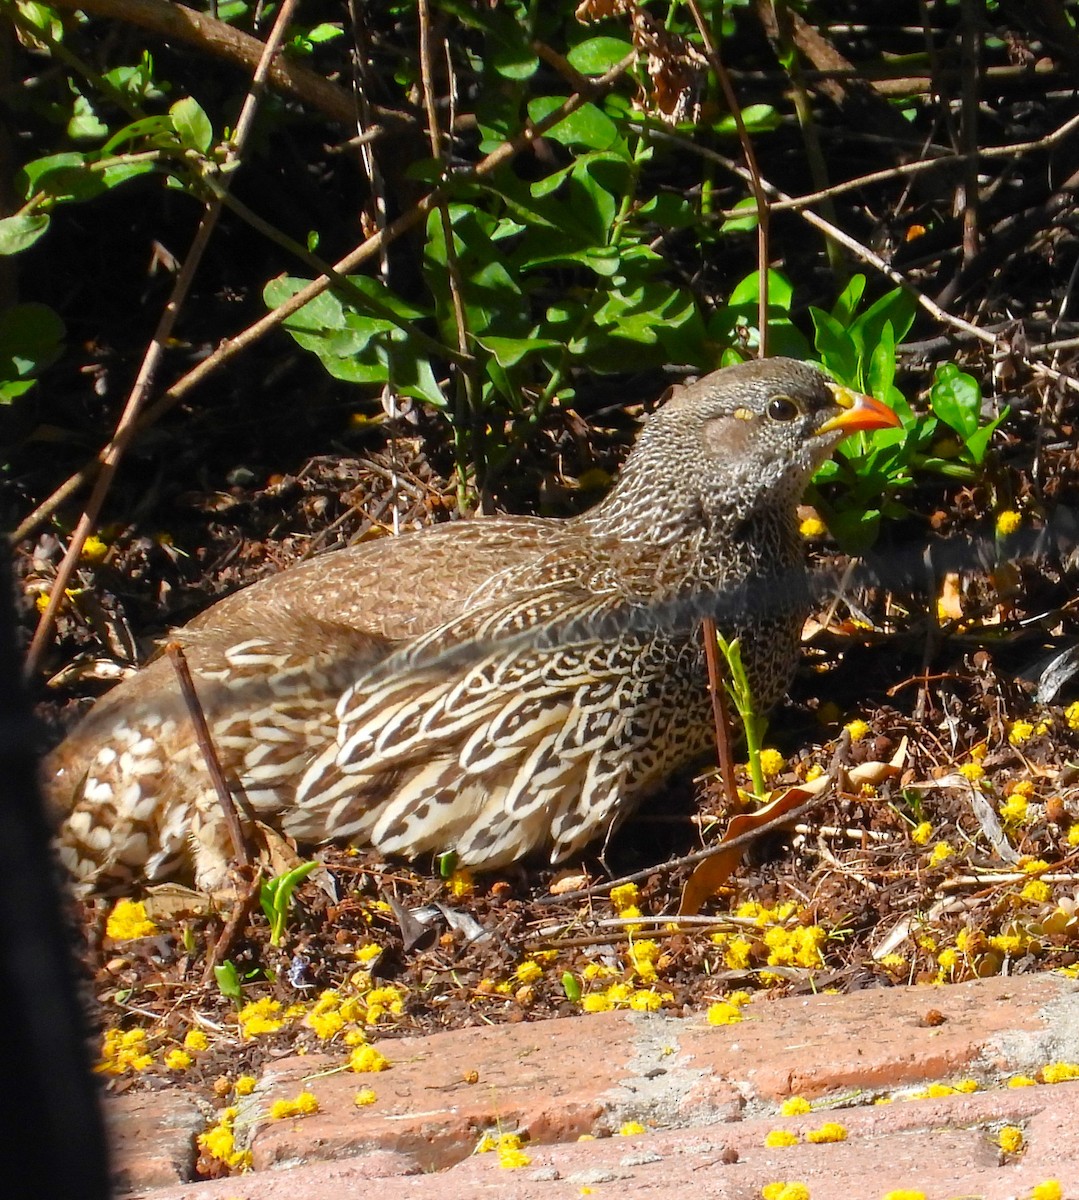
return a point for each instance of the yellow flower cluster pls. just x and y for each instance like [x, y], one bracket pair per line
[937, 1091]
[1071, 715]
[1060, 1072]
[729, 1011]
[1010, 1139]
[508, 1148]
[367, 1058]
[772, 762]
[812, 527]
[921, 833]
[261, 1016]
[364, 1097]
[219, 1142]
[1008, 522]
[631, 1129]
[785, 1191]
[972, 771]
[857, 729]
[782, 943]
[940, 853]
[302, 1105]
[795, 1106]
[124, 1051]
[128, 920]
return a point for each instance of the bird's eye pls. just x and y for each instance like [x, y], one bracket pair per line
[782, 408]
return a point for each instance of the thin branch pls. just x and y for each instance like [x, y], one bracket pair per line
[367, 250]
[752, 172]
[240, 849]
[155, 352]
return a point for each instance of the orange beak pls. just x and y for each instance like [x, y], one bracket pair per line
[859, 412]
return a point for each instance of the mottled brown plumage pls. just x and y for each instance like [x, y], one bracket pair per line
[490, 687]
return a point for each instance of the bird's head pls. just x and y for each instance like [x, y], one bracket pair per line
[744, 438]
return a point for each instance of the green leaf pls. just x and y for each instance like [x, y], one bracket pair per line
[836, 347]
[847, 305]
[148, 129]
[757, 118]
[956, 399]
[228, 981]
[742, 224]
[780, 291]
[31, 338]
[508, 352]
[588, 126]
[881, 374]
[21, 231]
[85, 125]
[61, 177]
[597, 55]
[192, 125]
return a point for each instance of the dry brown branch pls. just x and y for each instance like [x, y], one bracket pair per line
[183, 24]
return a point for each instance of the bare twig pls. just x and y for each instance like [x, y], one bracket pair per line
[752, 172]
[209, 753]
[688, 860]
[719, 712]
[140, 390]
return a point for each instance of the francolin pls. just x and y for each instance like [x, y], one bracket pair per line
[489, 687]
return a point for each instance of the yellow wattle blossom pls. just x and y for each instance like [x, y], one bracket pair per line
[178, 1060]
[1020, 732]
[776, 1138]
[367, 1058]
[785, 1191]
[302, 1105]
[795, 1106]
[966, 1086]
[903, 1194]
[1071, 715]
[508, 1148]
[1037, 891]
[857, 729]
[93, 550]
[1049, 1190]
[364, 1097]
[830, 1131]
[921, 833]
[196, 1040]
[625, 896]
[972, 770]
[631, 1129]
[1073, 835]
[128, 920]
[260, 1016]
[245, 1085]
[368, 953]
[1060, 1072]
[1010, 1139]
[812, 527]
[123, 1051]
[529, 971]
[1015, 810]
[1017, 1081]
[941, 853]
[1008, 522]
[815, 772]
[772, 762]
[461, 883]
[219, 1142]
